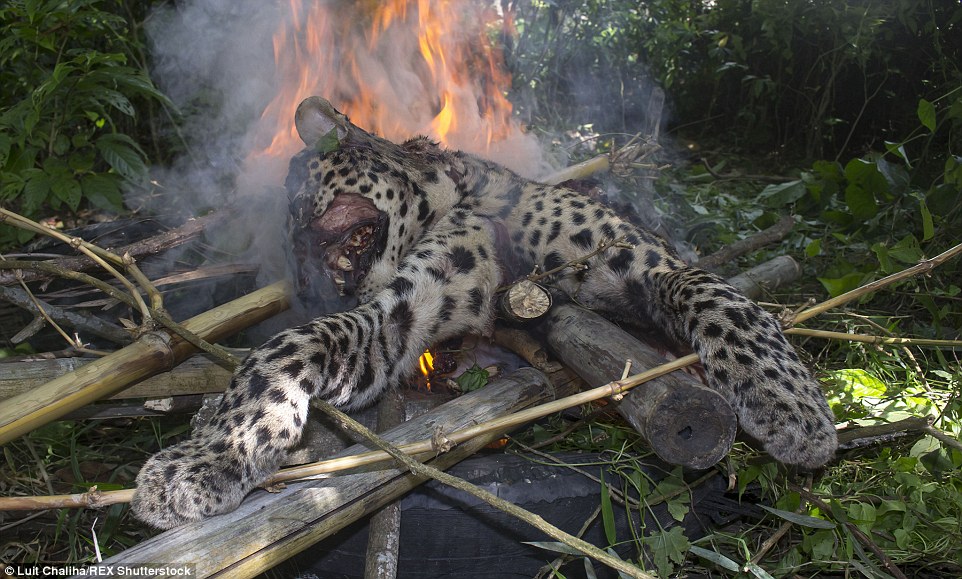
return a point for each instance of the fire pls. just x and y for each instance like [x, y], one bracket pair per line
[426, 363]
[397, 68]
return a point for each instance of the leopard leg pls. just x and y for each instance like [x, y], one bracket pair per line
[742, 347]
[442, 289]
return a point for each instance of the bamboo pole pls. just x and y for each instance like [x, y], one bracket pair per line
[154, 352]
[268, 528]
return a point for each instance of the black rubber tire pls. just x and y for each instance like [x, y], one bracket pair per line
[446, 533]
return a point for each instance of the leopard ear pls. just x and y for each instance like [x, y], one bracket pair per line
[316, 118]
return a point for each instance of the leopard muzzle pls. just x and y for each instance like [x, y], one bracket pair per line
[341, 244]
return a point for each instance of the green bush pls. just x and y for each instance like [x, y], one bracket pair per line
[69, 106]
[810, 79]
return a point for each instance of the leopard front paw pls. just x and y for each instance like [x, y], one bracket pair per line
[185, 483]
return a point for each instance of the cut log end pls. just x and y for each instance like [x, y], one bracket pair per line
[525, 301]
[683, 421]
[693, 427]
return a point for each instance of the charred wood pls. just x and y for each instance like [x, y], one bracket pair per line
[161, 242]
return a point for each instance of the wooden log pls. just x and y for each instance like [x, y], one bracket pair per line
[766, 276]
[152, 353]
[241, 544]
[684, 422]
[751, 243]
[196, 375]
[524, 302]
[384, 530]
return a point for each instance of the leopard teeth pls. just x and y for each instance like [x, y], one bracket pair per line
[344, 264]
[339, 282]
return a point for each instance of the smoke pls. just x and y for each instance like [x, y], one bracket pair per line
[216, 61]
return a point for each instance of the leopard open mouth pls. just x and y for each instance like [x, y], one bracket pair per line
[341, 244]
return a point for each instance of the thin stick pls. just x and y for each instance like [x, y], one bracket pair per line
[532, 519]
[942, 437]
[923, 266]
[90, 250]
[602, 247]
[751, 243]
[158, 315]
[869, 339]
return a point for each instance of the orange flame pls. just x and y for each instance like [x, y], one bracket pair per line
[397, 68]
[426, 363]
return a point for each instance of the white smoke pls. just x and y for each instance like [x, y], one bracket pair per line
[215, 59]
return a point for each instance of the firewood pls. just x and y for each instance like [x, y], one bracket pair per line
[384, 530]
[524, 301]
[684, 422]
[160, 242]
[309, 511]
[154, 352]
[762, 238]
[196, 375]
[766, 276]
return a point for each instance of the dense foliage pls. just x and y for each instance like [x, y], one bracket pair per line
[75, 94]
[857, 107]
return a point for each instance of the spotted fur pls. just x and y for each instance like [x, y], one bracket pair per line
[436, 279]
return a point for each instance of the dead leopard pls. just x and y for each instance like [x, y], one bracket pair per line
[412, 230]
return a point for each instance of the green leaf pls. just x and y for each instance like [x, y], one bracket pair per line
[798, 519]
[66, 188]
[472, 379]
[860, 201]
[117, 101]
[839, 285]
[926, 112]
[906, 250]
[859, 384]
[716, 558]
[35, 190]
[814, 248]
[328, 143]
[607, 513]
[928, 227]
[667, 547]
[103, 191]
[5, 143]
[757, 571]
[862, 512]
[882, 253]
[123, 155]
[677, 510]
[782, 193]
[898, 149]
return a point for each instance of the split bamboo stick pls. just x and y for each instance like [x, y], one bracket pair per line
[154, 352]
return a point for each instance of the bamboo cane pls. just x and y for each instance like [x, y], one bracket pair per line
[154, 352]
